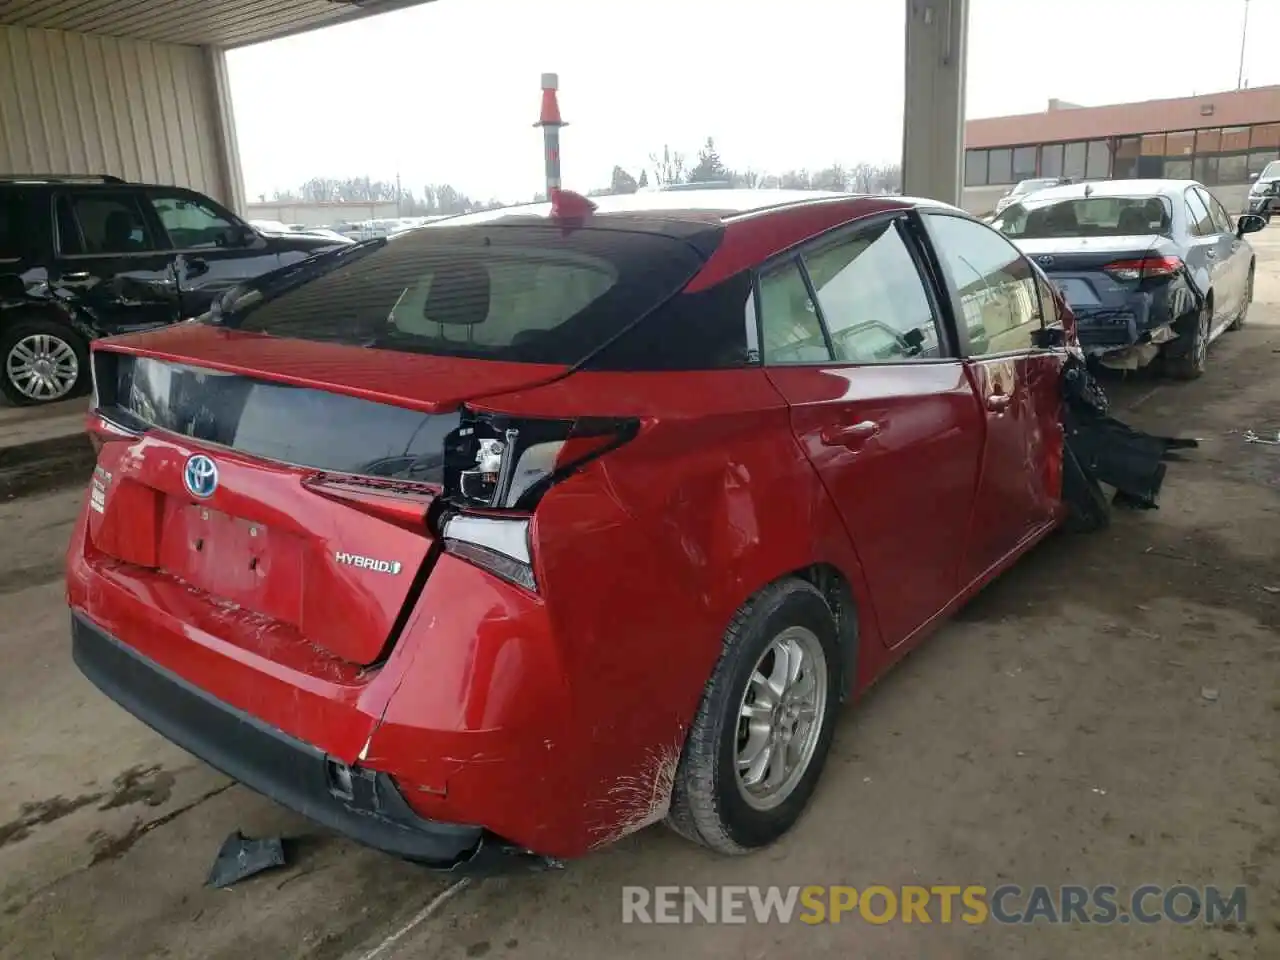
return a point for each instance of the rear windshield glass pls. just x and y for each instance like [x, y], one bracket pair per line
[1034, 219]
[501, 292]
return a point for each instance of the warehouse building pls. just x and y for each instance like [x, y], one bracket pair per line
[1220, 139]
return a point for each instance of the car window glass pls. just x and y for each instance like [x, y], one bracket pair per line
[69, 242]
[110, 223]
[193, 225]
[1085, 217]
[999, 300]
[789, 327]
[14, 227]
[1198, 218]
[1221, 219]
[872, 298]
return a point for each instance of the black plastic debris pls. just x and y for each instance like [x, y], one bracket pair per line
[241, 858]
[1101, 449]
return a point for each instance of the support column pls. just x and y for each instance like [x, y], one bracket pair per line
[225, 131]
[933, 108]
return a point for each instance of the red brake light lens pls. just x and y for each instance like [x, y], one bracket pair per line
[1145, 268]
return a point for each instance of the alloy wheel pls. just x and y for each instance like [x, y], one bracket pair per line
[781, 717]
[42, 367]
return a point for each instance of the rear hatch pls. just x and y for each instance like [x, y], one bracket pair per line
[286, 456]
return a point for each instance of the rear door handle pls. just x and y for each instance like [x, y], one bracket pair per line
[849, 434]
[999, 402]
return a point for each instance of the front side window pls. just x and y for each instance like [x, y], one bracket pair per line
[999, 300]
[103, 223]
[790, 331]
[872, 298]
[193, 224]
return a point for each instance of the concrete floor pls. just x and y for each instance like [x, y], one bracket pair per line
[1057, 732]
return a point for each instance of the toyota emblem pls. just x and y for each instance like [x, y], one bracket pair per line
[201, 476]
[1045, 261]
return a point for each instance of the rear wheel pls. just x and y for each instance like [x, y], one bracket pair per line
[43, 362]
[1239, 321]
[1191, 361]
[759, 741]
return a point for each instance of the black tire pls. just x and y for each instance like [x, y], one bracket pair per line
[1193, 346]
[708, 806]
[13, 333]
[1243, 315]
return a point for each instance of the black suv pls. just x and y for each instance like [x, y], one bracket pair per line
[91, 256]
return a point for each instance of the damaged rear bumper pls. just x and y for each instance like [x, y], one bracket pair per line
[364, 805]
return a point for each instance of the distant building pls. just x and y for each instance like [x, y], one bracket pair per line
[1218, 139]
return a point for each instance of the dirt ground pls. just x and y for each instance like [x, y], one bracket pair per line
[1107, 713]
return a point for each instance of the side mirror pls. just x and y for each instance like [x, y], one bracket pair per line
[244, 235]
[1253, 176]
[1249, 223]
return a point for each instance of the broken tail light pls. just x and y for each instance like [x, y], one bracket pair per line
[1145, 268]
[496, 469]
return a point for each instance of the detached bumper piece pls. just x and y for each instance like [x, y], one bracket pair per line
[1101, 449]
[365, 805]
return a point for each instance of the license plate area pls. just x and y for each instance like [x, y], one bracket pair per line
[1078, 293]
[240, 563]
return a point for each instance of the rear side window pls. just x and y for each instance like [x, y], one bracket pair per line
[1199, 219]
[103, 223]
[16, 226]
[790, 330]
[872, 298]
[499, 292]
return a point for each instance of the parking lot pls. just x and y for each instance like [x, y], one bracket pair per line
[1106, 713]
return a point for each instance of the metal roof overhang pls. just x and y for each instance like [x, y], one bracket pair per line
[218, 23]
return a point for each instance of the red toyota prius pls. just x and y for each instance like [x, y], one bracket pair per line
[516, 533]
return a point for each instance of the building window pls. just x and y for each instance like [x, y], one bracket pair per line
[1153, 145]
[1177, 168]
[975, 168]
[1126, 164]
[1181, 144]
[1207, 170]
[1073, 163]
[1051, 160]
[1208, 141]
[1098, 164]
[1001, 166]
[1234, 138]
[1266, 136]
[1233, 168]
[1024, 163]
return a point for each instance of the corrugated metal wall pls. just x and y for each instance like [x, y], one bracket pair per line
[79, 103]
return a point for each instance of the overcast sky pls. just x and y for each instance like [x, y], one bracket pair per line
[448, 92]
